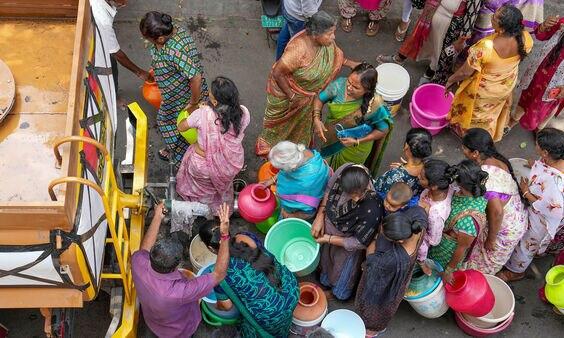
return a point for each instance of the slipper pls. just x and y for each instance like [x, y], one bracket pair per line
[346, 25]
[164, 154]
[389, 59]
[377, 334]
[400, 34]
[509, 276]
[372, 28]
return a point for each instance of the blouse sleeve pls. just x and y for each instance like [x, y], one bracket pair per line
[380, 121]
[352, 244]
[466, 225]
[329, 93]
[293, 55]
[479, 54]
[195, 119]
[543, 36]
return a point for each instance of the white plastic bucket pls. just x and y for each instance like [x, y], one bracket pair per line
[393, 84]
[433, 305]
[200, 255]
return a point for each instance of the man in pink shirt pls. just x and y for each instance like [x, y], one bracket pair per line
[168, 299]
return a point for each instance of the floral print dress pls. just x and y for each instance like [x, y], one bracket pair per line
[500, 185]
[484, 99]
[546, 215]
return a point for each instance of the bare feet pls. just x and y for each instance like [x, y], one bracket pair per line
[510, 276]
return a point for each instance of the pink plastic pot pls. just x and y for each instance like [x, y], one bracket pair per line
[470, 293]
[429, 106]
[475, 331]
[369, 5]
[256, 203]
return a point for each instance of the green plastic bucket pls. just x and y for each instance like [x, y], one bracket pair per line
[265, 225]
[290, 241]
[213, 319]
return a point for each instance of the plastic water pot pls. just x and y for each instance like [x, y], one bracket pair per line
[429, 104]
[256, 203]
[200, 255]
[190, 135]
[503, 307]
[554, 288]
[422, 285]
[265, 172]
[434, 130]
[475, 331]
[290, 241]
[265, 225]
[369, 5]
[151, 93]
[344, 324]
[393, 84]
[470, 293]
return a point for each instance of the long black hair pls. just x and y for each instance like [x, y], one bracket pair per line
[478, 139]
[419, 141]
[468, 175]
[156, 24]
[209, 233]
[228, 108]
[435, 172]
[354, 179]
[511, 20]
[552, 141]
[368, 79]
[402, 225]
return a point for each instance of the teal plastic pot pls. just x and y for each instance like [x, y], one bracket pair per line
[213, 319]
[290, 241]
[265, 225]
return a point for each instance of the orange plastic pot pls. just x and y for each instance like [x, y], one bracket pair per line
[151, 93]
[267, 171]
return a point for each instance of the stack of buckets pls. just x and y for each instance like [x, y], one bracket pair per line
[393, 84]
[430, 302]
[429, 107]
[483, 304]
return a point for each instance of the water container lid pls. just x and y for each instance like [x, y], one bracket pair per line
[393, 79]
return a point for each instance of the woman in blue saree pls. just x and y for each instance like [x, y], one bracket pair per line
[301, 181]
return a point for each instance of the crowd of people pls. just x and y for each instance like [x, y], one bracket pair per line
[327, 134]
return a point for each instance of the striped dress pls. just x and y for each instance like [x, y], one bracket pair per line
[174, 65]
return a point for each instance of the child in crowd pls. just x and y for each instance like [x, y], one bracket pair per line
[435, 199]
[398, 198]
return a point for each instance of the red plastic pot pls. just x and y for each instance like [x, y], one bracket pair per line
[256, 203]
[470, 293]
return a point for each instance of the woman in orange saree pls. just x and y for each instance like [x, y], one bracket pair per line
[483, 99]
[310, 61]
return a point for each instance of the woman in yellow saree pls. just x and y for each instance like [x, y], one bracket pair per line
[483, 99]
[358, 123]
[310, 61]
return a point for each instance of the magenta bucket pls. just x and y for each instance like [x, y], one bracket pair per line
[429, 107]
[369, 5]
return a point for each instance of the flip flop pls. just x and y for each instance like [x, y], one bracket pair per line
[400, 34]
[372, 28]
[388, 59]
[346, 24]
[164, 154]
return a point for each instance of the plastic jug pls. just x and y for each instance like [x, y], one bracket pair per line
[554, 288]
[256, 203]
[151, 93]
[470, 293]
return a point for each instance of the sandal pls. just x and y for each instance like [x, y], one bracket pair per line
[372, 28]
[400, 34]
[164, 154]
[389, 59]
[510, 276]
[346, 24]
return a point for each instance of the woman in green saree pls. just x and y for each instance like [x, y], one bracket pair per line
[310, 61]
[351, 103]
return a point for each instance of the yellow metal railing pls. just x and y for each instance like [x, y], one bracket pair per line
[124, 241]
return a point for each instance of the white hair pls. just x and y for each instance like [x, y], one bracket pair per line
[287, 155]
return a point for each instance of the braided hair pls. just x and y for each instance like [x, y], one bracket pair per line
[478, 139]
[368, 79]
[511, 21]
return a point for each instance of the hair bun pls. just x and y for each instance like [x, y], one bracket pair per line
[301, 148]
[416, 227]
[166, 19]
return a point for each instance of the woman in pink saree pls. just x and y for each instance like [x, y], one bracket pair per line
[209, 166]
